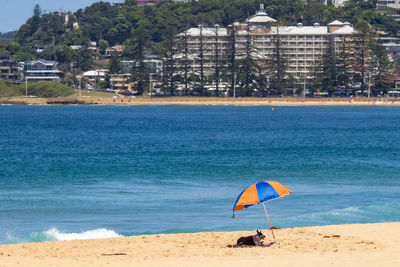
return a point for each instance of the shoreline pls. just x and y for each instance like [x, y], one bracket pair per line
[190, 101]
[334, 245]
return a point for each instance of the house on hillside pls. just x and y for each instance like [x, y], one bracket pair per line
[334, 2]
[152, 63]
[95, 75]
[122, 83]
[8, 68]
[115, 50]
[148, 2]
[392, 45]
[381, 4]
[42, 70]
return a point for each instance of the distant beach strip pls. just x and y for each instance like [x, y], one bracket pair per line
[239, 101]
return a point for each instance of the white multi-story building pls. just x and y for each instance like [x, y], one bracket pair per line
[334, 2]
[121, 82]
[303, 46]
[42, 70]
[388, 3]
[95, 75]
[152, 63]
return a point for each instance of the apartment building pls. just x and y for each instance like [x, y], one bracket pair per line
[93, 76]
[151, 62]
[42, 70]
[303, 46]
[8, 68]
[121, 82]
[388, 3]
[334, 2]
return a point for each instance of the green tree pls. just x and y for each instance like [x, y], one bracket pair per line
[18, 53]
[329, 79]
[84, 59]
[169, 65]
[362, 48]
[278, 65]
[343, 65]
[314, 80]
[75, 37]
[167, 50]
[115, 64]
[37, 13]
[121, 31]
[181, 55]
[135, 49]
[103, 45]
[248, 68]
[201, 60]
[313, 13]
[186, 62]
[379, 67]
[232, 67]
[217, 60]
[97, 20]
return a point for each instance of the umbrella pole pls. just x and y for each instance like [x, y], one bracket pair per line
[269, 222]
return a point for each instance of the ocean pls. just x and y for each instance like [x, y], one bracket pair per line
[76, 172]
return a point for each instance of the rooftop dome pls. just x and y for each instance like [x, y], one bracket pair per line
[336, 23]
[260, 17]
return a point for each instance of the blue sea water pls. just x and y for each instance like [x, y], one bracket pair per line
[88, 171]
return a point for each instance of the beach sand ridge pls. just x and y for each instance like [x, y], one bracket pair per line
[342, 245]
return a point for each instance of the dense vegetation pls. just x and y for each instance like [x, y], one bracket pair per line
[7, 36]
[39, 89]
[117, 24]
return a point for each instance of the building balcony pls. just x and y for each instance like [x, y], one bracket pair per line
[39, 78]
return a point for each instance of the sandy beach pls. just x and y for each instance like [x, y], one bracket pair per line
[245, 101]
[339, 245]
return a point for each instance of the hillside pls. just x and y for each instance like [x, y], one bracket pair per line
[152, 30]
[117, 24]
[7, 36]
[39, 89]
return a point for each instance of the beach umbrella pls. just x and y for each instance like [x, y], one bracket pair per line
[260, 193]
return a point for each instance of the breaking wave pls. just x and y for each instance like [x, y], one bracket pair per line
[388, 212]
[92, 234]
[54, 234]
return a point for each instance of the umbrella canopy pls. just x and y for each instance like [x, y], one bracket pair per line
[259, 193]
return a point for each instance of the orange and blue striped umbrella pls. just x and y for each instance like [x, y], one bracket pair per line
[259, 193]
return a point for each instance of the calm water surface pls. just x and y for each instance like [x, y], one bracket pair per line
[81, 171]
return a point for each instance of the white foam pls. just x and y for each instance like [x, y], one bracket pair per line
[11, 239]
[92, 234]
